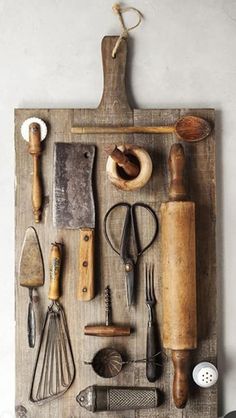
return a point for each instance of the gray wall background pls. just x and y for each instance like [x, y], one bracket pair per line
[183, 55]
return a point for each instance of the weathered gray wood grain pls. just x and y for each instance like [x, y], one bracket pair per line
[114, 109]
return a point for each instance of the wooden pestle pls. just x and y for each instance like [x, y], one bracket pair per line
[130, 168]
[35, 150]
[179, 275]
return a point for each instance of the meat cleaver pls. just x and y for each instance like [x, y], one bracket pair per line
[73, 205]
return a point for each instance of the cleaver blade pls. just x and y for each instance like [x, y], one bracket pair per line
[73, 205]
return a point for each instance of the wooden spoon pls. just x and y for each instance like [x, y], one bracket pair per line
[187, 128]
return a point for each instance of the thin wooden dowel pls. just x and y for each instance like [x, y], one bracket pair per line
[122, 129]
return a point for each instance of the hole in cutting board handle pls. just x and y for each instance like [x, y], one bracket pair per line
[86, 155]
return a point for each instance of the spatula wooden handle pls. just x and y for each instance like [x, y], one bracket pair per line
[85, 291]
[35, 150]
[54, 269]
[177, 190]
[180, 360]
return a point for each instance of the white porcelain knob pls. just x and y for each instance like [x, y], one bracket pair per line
[25, 128]
[205, 374]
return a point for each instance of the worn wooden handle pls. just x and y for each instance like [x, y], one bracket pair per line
[122, 129]
[106, 331]
[130, 168]
[177, 190]
[85, 290]
[35, 150]
[180, 360]
[151, 350]
[54, 269]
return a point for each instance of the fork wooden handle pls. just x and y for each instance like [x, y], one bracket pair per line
[151, 350]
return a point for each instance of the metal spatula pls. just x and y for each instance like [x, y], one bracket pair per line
[31, 275]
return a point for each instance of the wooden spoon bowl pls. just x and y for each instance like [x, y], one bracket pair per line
[192, 128]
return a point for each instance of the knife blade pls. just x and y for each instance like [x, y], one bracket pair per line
[31, 275]
[73, 205]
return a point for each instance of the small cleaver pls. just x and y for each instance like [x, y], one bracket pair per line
[73, 205]
[31, 275]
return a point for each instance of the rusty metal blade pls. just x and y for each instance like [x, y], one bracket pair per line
[31, 269]
[73, 203]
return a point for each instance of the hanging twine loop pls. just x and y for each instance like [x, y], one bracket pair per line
[125, 31]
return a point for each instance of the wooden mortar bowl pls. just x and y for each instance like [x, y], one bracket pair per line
[114, 172]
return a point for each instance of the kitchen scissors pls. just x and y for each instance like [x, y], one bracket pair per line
[129, 247]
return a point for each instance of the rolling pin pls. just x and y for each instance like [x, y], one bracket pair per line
[179, 275]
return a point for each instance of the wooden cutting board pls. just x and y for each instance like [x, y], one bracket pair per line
[114, 109]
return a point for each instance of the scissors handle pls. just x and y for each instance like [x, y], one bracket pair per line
[127, 205]
[135, 227]
[130, 217]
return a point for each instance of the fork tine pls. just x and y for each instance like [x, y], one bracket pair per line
[146, 282]
[149, 284]
[152, 282]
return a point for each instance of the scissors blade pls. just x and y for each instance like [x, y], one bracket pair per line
[129, 276]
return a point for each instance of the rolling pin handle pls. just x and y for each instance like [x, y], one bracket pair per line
[177, 190]
[180, 360]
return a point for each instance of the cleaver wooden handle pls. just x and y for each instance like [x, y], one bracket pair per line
[85, 290]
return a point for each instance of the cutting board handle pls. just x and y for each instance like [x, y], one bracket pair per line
[114, 97]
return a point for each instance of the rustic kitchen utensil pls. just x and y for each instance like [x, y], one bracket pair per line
[152, 346]
[188, 128]
[118, 398]
[123, 160]
[129, 247]
[31, 275]
[179, 275]
[34, 130]
[120, 179]
[109, 329]
[73, 205]
[108, 362]
[54, 369]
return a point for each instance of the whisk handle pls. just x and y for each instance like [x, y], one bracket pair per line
[54, 268]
